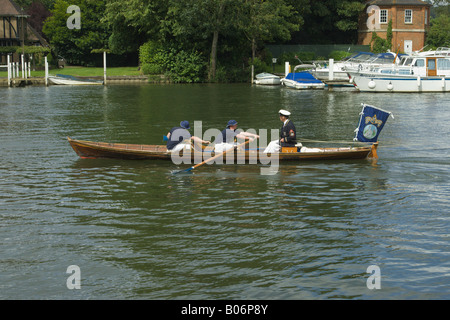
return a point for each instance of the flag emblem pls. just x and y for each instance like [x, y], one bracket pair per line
[371, 123]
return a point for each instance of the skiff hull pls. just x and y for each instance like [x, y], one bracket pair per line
[90, 149]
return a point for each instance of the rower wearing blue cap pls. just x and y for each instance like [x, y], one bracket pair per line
[230, 135]
[179, 138]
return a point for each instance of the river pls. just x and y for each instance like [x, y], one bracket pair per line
[313, 230]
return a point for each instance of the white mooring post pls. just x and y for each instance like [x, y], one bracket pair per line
[286, 68]
[331, 70]
[104, 68]
[9, 70]
[46, 71]
[23, 67]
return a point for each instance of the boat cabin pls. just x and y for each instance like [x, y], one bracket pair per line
[425, 64]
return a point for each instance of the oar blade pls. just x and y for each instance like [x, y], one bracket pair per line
[183, 171]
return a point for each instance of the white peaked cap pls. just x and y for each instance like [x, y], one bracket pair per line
[284, 112]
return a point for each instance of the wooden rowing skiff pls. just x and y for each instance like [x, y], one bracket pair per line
[89, 149]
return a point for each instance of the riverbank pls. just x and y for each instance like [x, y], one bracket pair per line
[115, 75]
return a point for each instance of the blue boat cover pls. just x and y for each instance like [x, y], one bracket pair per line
[302, 77]
[371, 123]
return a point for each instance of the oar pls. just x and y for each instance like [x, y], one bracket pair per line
[211, 159]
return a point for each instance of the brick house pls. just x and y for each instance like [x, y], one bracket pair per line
[410, 22]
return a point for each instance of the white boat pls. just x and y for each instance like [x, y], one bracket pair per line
[421, 72]
[70, 80]
[321, 72]
[357, 62]
[267, 79]
[302, 80]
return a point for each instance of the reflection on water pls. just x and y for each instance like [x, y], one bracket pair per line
[224, 231]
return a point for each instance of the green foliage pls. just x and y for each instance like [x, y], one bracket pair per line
[260, 66]
[180, 66]
[76, 45]
[379, 44]
[187, 67]
[6, 50]
[439, 32]
[296, 58]
[338, 55]
[33, 50]
[186, 35]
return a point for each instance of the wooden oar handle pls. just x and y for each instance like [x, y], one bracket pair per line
[219, 155]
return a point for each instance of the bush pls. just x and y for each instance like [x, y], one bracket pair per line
[179, 66]
[260, 66]
[188, 67]
[149, 68]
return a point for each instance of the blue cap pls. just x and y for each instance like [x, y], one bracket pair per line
[185, 124]
[232, 123]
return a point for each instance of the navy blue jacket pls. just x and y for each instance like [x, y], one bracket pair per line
[177, 135]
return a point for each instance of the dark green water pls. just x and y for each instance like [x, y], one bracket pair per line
[136, 231]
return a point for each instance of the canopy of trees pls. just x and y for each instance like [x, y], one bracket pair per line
[224, 36]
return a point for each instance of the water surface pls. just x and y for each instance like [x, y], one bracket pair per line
[225, 231]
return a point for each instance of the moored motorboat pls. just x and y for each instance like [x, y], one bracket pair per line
[70, 80]
[301, 80]
[421, 72]
[267, 79]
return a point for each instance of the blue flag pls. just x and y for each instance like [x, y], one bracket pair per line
[371, 123]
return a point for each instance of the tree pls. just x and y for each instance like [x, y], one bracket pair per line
[327, 21]
[75, 45]
[133, 23]
[38, 14]
[202, 20]
[439, 32]
[265, 21]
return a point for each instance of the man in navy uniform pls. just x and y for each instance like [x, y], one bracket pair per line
[179, 138]
[288, 134]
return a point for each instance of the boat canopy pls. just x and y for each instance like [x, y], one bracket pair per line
[302, 77]
[359, 56]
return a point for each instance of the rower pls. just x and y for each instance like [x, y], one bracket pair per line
[288, 135]
[179, 138]
[230, 135]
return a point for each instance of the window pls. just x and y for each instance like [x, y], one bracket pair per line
[420, 63]
[408, 16]
[431, 64]
[443, 64]
[383, 16]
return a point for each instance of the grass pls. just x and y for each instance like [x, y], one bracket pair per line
[85, 72]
